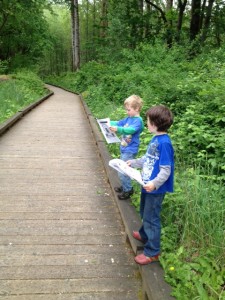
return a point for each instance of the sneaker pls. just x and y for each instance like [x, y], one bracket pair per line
[137, 236]
[141, 259]
[118, 189]
[126, 195]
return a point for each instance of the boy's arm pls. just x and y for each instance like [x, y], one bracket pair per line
[113, 123]
[162, 176]
[126, 130]
[137, 163]
[117, 126]
[137, 125]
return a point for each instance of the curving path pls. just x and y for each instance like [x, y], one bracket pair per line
[61, 234]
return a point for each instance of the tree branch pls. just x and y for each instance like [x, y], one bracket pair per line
[163, 15]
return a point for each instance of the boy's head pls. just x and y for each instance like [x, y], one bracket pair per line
[134, 102]
[161, 117]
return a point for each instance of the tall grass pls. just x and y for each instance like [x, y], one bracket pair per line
[11, 99]
[193, 235]
[204, 212]
[200, 211]
[18, 91]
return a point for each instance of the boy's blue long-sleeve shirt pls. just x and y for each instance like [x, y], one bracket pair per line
[159, 154]
[130, 128]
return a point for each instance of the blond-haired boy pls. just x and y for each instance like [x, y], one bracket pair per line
[130, 129]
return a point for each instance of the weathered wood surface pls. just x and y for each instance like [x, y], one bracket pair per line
[61, 234]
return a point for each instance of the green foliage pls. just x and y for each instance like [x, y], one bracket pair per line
[23, 32]
[197, 277]
[18, 91]
[3, 67]
[199, 128]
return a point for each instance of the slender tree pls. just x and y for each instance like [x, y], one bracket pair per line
[169, 9]
[87, 37]
[181, 9]
[104, 18]
[147, 33]
[195, 19]
[75, 35]
[207, 21]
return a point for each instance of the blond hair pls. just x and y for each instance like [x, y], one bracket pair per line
[134, 101]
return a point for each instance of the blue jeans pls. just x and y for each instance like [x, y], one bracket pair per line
[150, 231]
[125, 180]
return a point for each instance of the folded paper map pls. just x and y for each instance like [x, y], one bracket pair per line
[122, 167]
[110, 136]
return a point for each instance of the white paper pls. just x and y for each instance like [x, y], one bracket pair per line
[122, 167]
[110, 136]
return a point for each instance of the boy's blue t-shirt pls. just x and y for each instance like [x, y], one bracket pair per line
[130, 142]
[159, 153]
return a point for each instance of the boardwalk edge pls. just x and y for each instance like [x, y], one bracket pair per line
[11, 121]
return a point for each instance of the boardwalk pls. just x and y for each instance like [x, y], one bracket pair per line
[61, 236]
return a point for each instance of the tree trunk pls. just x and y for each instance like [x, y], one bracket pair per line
[195, 19]
[202, 14]
[169, 7]
[181, 8]
[104, 19]
[87, 33]
[147, 25]
[75, 35]
[141, 10]
[207, 20]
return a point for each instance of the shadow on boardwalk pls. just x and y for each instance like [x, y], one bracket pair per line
[61, 234]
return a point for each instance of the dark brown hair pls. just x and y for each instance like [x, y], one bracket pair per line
[160, 116]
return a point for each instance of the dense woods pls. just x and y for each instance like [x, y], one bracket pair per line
[165, 51]
[97, 27]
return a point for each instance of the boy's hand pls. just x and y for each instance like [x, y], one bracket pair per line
[149, 187]
[113, 128]
[128, 162]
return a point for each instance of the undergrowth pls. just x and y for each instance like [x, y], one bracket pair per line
[18, 91]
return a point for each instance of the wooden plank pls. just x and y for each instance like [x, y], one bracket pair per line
[109, 295]
[59, 249]
[55, 216]
[69, 287]
[68, 271]
[53, 163]
[70, 204]
[13, 260]
[100, 239]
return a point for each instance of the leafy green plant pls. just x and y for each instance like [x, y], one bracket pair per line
[3, 66]
[197, 277]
